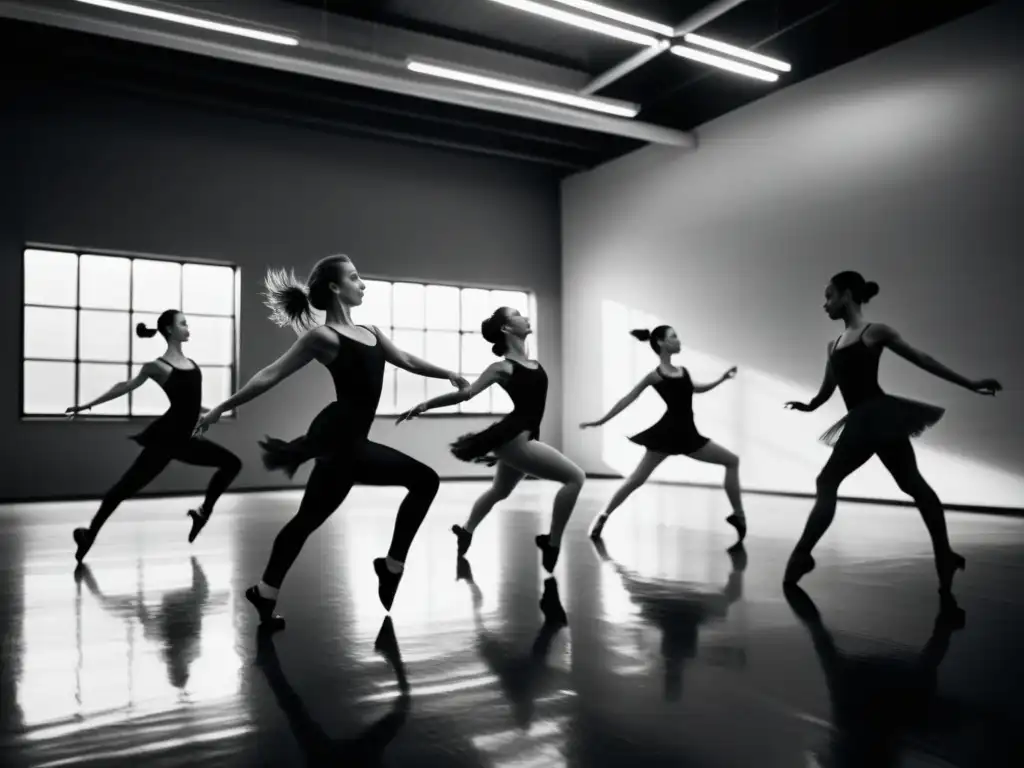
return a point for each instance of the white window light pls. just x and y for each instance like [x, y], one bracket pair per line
[717, 61]
[192, 21]
[619, 16]
[620, 109]
[739, 53]
[580, 21]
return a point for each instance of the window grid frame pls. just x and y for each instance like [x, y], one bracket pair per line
[77, 308]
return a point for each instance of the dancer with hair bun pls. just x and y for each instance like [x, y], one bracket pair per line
[337, 439]
[675, 433]
[169, 437]
[875, 423]
[513, 444]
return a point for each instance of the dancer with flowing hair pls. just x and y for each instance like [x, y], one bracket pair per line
[337, 438]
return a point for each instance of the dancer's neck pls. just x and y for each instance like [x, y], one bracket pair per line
[339, 314]
[853, 319]
[517, 348]
[174, 351]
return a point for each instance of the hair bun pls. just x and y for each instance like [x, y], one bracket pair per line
[870, 289]
[641, 334]
[142, 331]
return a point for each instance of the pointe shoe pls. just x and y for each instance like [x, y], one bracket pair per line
[464, 537]
[739, 522]
[549, 554]
[199, 521]
[799, 565]
[387, 583]
[84, 539]
[947, 568]
[269, 621]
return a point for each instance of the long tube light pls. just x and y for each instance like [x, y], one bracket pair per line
[580, 21]
[739, 53]
[717, 61]
[192, 21]
[569, 99]
[619, 16]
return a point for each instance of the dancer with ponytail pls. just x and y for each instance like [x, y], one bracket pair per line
[514, 442]
[169, 437]
[875, 423]
[337, 439]
[675, 433]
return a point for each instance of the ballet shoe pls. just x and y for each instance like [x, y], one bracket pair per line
[199, 521]
[464, 538]
[549, 554]
[947, 568]
[598, 527]
[799, 565]
[269, 621]
[84, 539]
[739, 522]
[387, 583]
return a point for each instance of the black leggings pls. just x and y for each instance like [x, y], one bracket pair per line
[329, 483]
[153, 460]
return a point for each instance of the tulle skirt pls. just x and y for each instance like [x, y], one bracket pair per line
[479, 447]
[334, 431]
[884, 419]
[672, 436]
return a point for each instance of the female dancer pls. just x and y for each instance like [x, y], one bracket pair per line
[168, 437]
[354, 355]
[675, 433]
[514, 442]
[876, 423]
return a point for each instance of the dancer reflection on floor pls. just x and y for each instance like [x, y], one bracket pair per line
[876, 424]
[337, 439]
[169, 437]
[675, 433]
[513, 444]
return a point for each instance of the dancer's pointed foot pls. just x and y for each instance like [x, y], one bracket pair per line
[200, 517]
[387, 582]
[84, 538]
[464, 538]
[739, 522]
[549, 553]
[598, 527]
[738, 556]
[269, 621]
[551, 604]
[947, 567]
[799, 565]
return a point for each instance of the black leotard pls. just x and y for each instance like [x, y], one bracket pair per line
[675, 432]
[184, 388]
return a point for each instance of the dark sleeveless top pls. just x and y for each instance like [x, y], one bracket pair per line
[358, 374]
[184, 389]
[677, 394]
[675, 432]
[855, 369]
[528, 390]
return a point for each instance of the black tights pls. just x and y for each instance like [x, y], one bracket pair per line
[329, 483]
[898, 457]
[152, 461]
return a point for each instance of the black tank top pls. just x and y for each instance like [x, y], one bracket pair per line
[855, 368]
[528, 390]
[184, 390]
[358, 374]
[677, 394]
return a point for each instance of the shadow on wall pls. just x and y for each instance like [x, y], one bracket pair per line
[780, 450]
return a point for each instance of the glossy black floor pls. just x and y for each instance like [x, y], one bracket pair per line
[676, 652]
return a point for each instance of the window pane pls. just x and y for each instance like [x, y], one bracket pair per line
[476, 354]
[387, 393]
[376, 306]
[51, 277]
[407, 300]
[443, 349]
[476, 307]
[207, 289]
[442, 307]
[103, 336]
[409, 341]
[437, 387]
[211, 340]
[96, 378]
[149, 399]
[500, 401]
[410, 390]
[49, 333]
[156, 285]
[144, 350]
[515, 299]
[106, 282]
[216, 385]
[479, 404]
[48, 388]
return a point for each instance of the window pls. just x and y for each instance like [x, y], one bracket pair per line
[440, 323]
[80, 313]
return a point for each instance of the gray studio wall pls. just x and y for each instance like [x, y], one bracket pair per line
[105, 172]
[907, 165]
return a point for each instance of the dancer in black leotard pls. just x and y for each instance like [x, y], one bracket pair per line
[876, 423]
[337, 438]
[675, 433]
[168, 437]
[514, 442]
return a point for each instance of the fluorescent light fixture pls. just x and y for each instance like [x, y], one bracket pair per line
[717, 61]
[193, 21]
[739, 53]
[620, 109]
[619, 16]
[580, 21]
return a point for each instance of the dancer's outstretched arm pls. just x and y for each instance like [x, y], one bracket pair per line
[118, 390]
[828, 386]
[625, 402]
[887, 336]
[700, 388]
[495, 372]
[409, 362]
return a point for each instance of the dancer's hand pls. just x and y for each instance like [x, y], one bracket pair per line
[588, 424]
[460, 382]
[412, 413]
[986, 386]
[730, 373]
[74, 410]
[793, 405]
[210, 417]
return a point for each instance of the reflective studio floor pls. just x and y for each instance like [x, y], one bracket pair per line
[677, 653]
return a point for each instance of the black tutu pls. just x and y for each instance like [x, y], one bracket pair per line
[330, 433]
[671, 436]
[479, 447]
[884, 419]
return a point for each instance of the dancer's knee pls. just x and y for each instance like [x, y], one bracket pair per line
[232, 465]
[732, 461]
[424, 481]
[827, 483]
[575, 478]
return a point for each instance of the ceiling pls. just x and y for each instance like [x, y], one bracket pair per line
[813, 36]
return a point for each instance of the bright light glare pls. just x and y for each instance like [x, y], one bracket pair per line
[192, 21]
[568, 99]
[739, 53]
[580, 21]
[718, 61]
[624, 18]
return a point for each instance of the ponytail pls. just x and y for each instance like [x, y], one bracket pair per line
[653, 337]
[143, 332]
[641, 334]
[288, 300]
